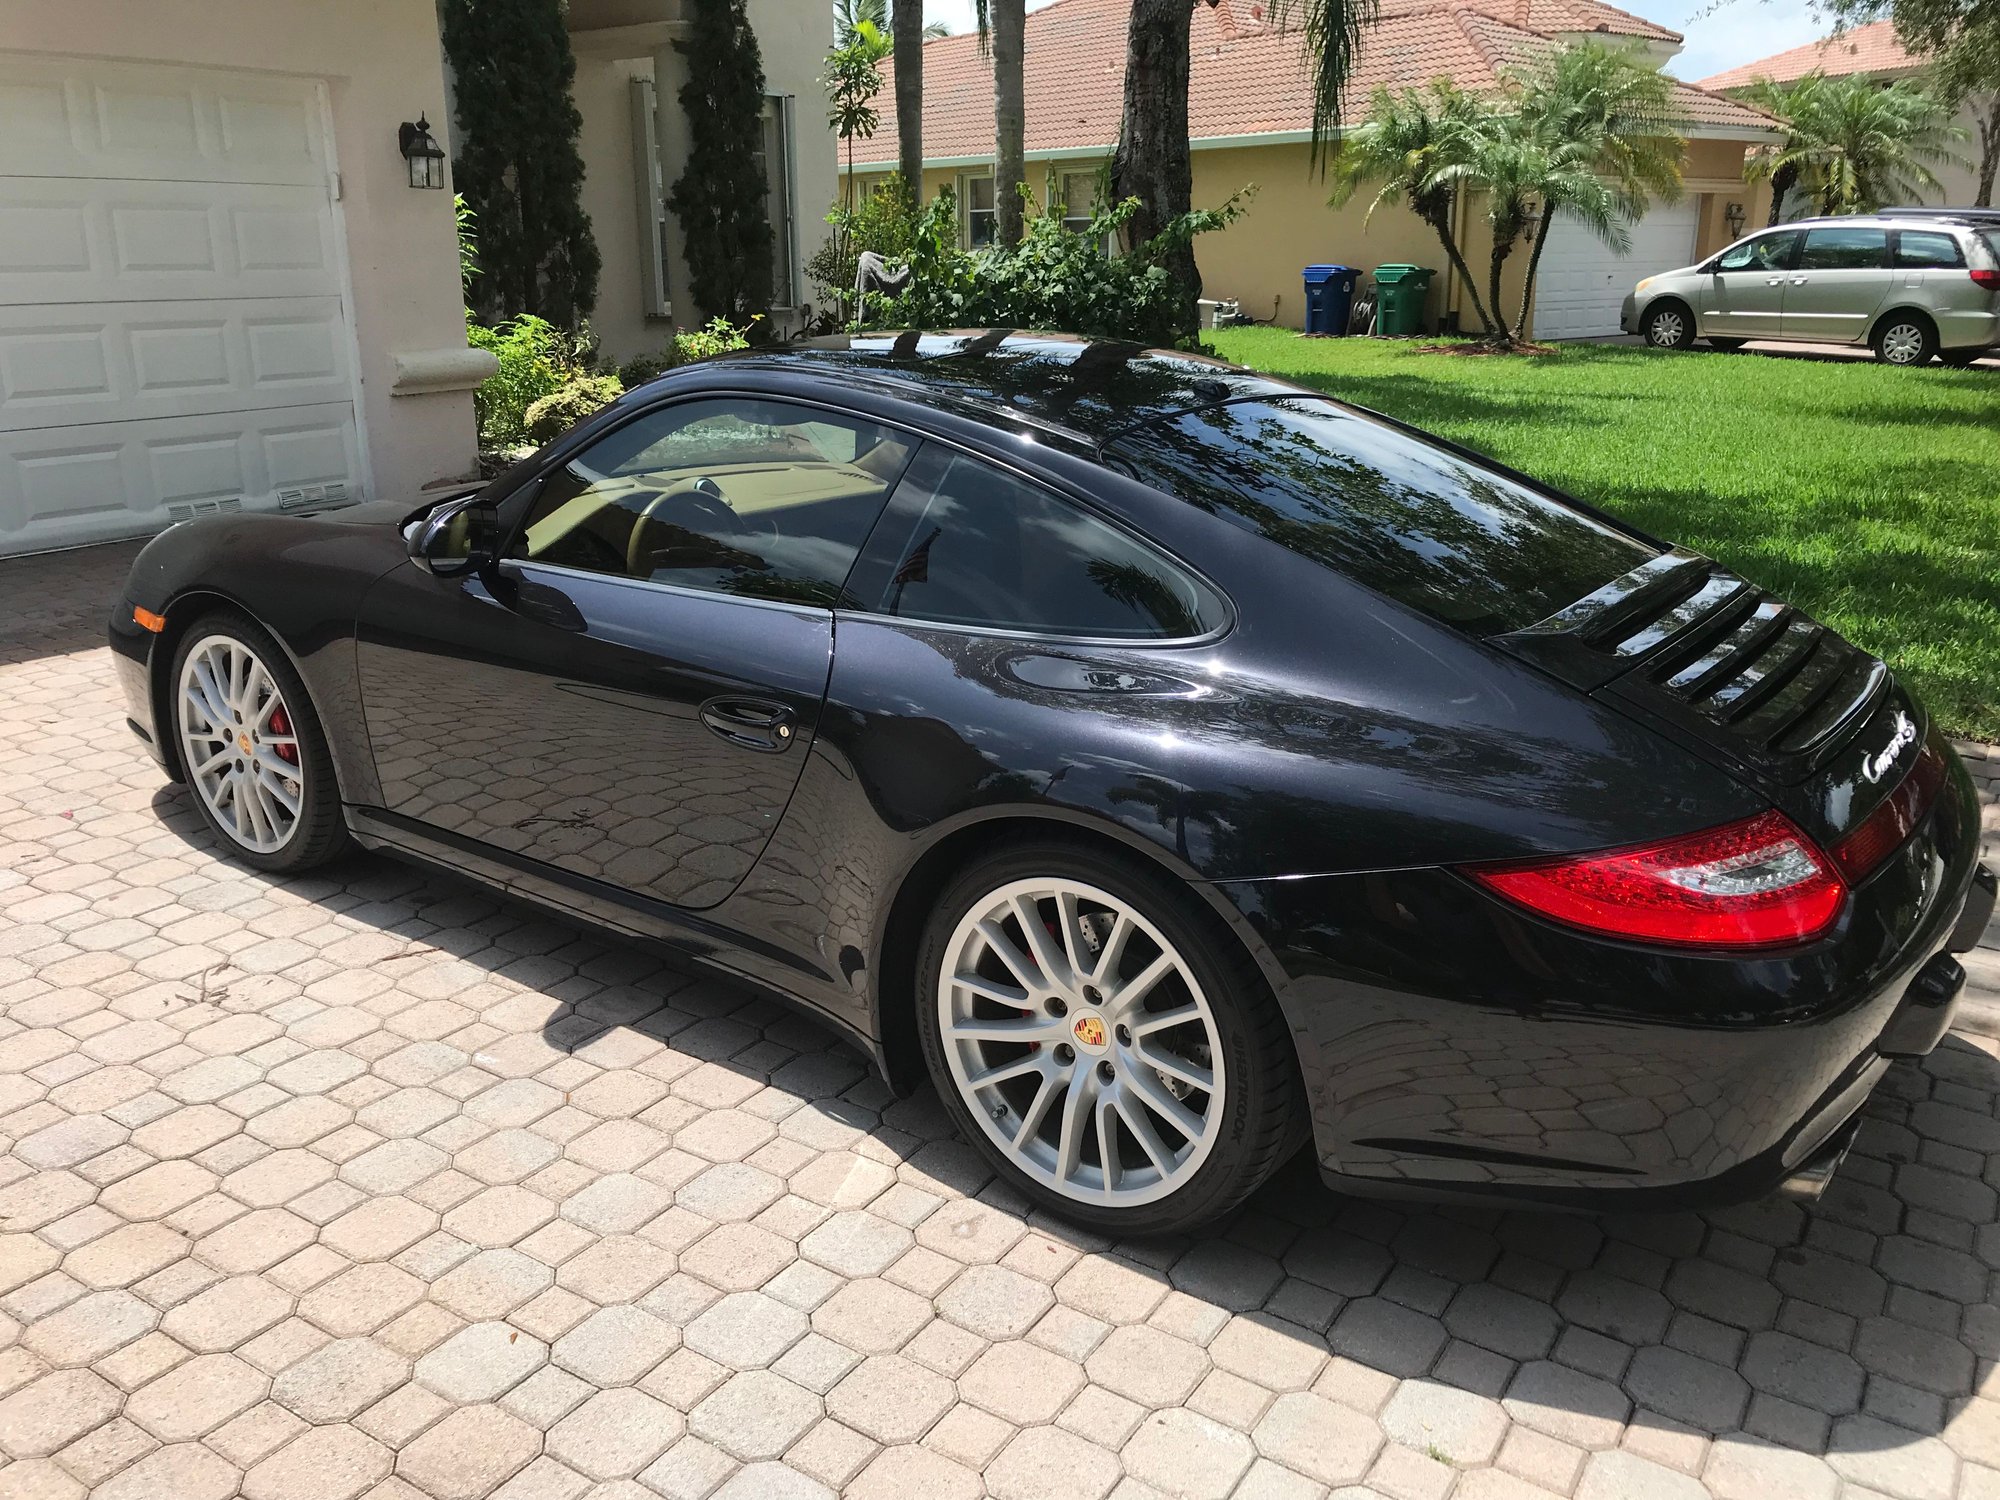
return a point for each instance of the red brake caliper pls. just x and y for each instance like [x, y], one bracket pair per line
[282, 725]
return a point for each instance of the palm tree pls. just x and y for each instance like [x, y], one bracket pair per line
[1850, 143]
[849, 14]
[1614, 117]
[1587, 132]
[1152, 161]
[908, 35]
[1401, 146]
[1002, 26]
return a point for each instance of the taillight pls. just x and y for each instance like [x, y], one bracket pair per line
[1753, 884]
[1882, 832]
[1988, 279]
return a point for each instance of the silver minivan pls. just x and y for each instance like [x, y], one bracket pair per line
[1912, 288]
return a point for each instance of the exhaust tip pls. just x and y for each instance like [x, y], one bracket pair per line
[1807, 1183]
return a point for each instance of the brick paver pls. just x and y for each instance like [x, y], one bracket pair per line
[374, 1185]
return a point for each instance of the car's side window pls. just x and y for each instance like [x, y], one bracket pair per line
[1927, 249]
[761, 498]
[1845, 249]
[1768, 252]
[973, 545]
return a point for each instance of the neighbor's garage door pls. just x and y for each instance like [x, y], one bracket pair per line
[1583, 282]
[173, 338]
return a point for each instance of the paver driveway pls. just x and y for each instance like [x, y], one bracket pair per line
[375, 1185]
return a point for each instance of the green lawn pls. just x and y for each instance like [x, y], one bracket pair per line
[1866, 495]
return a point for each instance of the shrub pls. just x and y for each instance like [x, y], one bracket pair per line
[720, 196]
[518, 163]
[536, 359]
[1056, 279]
[719, 337]
[560, 410]
[885, 221]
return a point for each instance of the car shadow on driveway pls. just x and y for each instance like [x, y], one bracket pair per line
[1769, 1348]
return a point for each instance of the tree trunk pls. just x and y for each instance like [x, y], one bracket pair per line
[1152, 162]
[1989, 154]
[1442, 224]
[1010, 117]
[1534, 266]
[907, 26]
[1502, 247]
[1781, 187]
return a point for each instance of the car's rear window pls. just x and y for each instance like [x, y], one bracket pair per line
[1429, 529]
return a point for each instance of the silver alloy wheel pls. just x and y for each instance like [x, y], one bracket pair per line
[235, 731]
[1081, 1041]
[1668, 329]
[1903, 344]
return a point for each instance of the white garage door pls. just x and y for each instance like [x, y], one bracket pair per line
[1582, 281]
[173, 334]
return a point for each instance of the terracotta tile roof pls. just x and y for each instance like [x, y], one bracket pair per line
[1248, 78]
[1866, 49]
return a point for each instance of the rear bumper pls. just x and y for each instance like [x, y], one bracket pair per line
[1453, 1047]
[1969, 330]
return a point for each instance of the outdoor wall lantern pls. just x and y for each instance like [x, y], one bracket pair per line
[1733, 217]
[422, 154]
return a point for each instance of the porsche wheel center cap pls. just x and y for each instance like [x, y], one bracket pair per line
[243, 741]
[1090, 1032]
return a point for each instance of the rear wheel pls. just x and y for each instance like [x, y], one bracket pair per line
[1727, 346]
[1103, 1040]
[1905, 339]
[251, 747]
[1669, 325]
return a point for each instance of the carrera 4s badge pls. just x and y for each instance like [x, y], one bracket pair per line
[1875, 767]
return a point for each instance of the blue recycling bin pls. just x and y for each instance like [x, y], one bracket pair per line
[1329, 296]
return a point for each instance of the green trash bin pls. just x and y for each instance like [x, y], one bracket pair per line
[1400, 291]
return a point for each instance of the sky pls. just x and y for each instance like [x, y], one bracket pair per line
[1720, 33]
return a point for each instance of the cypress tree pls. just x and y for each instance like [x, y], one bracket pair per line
[518, 165]
[720, 199]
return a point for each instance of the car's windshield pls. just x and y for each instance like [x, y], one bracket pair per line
[1424, 526]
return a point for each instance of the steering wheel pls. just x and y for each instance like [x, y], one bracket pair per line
[701, 495]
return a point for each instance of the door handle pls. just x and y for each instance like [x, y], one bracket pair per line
[753, 723]
[1775, 281]
[1798, 281]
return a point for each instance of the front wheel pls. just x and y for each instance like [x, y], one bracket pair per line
[251, 747]
[1905, 339]
[1104, 1041]
[1669, 325]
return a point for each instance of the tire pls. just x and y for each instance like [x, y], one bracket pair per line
[261, 696]
[1239, 1127]
[1905, 338]
[1669, 325]
[1727, 346]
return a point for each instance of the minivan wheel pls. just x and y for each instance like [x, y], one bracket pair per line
[1905, 339]
[1103, 1041]
[1670, 326]
[251, 747]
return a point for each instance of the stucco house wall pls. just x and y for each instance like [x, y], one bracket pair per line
[635, 41]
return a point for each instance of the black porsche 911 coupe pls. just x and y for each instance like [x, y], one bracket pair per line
[1171, 763]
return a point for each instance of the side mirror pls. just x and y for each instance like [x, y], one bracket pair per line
[459, 537]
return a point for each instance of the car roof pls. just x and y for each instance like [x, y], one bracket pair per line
[1944, 218]
[1087, 389]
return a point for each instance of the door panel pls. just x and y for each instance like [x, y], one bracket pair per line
[1839, 284]
[565, 716]
[1745, 294]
